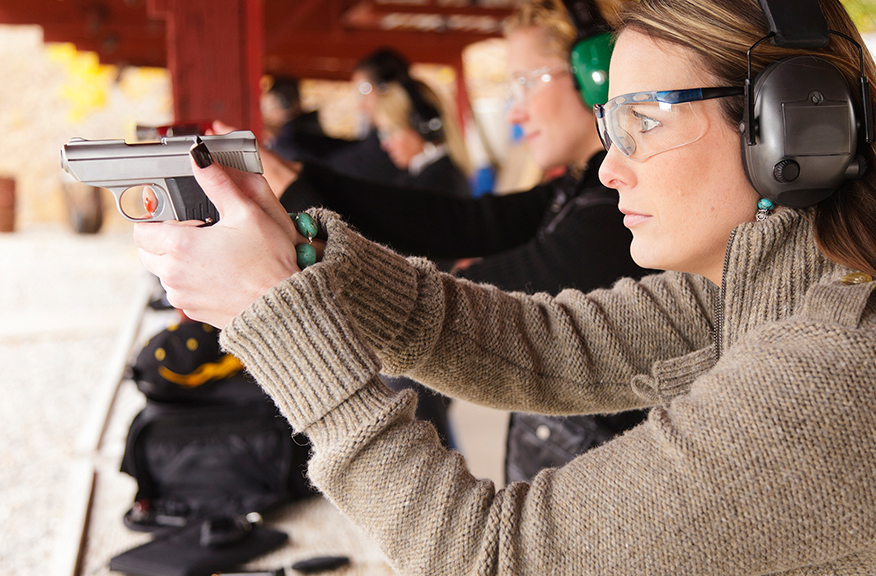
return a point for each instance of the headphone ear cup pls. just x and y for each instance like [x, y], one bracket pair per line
[805, 132]
[589, 60]
[424, 117]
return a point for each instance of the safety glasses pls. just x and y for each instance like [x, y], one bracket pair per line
[643, 124]
[523, 86]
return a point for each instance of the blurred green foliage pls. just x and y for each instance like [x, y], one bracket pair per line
[863, 12]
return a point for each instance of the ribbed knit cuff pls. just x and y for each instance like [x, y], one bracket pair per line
[396, 302]
[367, 408]
[299, 343]
[673, 377]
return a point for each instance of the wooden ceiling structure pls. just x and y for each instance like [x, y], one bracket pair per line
[217, 50]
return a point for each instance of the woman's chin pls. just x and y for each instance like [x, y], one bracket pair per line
[643, 255]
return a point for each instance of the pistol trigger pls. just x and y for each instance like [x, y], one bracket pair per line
[150, 200]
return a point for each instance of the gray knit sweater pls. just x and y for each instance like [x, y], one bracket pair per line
[759, 458]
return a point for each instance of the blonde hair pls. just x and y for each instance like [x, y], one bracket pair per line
[720, 32]
[549, 15]
[553, 18]
[394, 106]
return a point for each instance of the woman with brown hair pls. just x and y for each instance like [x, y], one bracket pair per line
[754, 351]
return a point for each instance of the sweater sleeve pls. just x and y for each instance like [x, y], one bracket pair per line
[718, 481]
[571, 354]
[422, 222]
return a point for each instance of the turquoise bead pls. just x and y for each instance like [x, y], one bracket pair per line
[306, 255]
[306, 225]
[764, 204]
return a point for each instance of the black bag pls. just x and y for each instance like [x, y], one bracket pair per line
[216, 448]
[185, 552]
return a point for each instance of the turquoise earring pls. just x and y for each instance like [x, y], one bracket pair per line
[764, 208]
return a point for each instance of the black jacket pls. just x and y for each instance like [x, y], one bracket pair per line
[363, 159]
[295, 139]
[567, 233]
[442, 175]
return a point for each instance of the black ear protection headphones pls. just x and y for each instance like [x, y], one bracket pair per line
[591, 51]
[285, 89]
[801, 125]
[424, 117]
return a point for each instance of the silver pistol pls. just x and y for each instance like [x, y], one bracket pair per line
[153, 181]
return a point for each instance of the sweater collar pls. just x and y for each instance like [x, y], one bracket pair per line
[773, 270]
[769, 268]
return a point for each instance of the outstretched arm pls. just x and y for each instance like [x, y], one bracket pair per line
[710, 483]
[570, 354]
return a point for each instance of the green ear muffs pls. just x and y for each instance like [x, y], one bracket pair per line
[589, 59]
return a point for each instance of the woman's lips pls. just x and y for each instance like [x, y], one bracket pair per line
[633, 219]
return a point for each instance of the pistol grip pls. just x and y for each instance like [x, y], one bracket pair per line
[189, 201]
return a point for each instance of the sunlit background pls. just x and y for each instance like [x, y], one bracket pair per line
[51, 92]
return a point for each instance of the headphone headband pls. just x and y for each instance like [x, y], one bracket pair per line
[796, 24]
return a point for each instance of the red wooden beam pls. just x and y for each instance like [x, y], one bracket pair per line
[311, 38]
[324, 56]
[384, 8]
[215, 59]
[426, 47]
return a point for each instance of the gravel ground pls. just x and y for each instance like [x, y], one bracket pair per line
[64, 300]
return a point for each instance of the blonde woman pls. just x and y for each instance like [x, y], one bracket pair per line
[420, 138]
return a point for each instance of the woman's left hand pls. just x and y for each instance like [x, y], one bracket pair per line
[214, 273]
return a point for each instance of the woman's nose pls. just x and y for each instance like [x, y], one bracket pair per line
[517, 114]
[614, 171]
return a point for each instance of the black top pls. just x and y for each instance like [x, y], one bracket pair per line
[366, 160]
[295, 138]
[567, 233]
[363, 159]
[442, 175]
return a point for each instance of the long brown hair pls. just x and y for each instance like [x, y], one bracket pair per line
[720, 32]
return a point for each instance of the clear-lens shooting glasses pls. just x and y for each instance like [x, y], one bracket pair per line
[643, 124]
[524, 85]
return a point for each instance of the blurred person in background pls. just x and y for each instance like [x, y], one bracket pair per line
[362, 158]
[288, 129]
[565, 233]
[421, 138]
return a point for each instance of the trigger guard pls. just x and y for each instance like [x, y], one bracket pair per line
[163, 210]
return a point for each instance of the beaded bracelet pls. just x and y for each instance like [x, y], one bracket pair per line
[307, 227]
